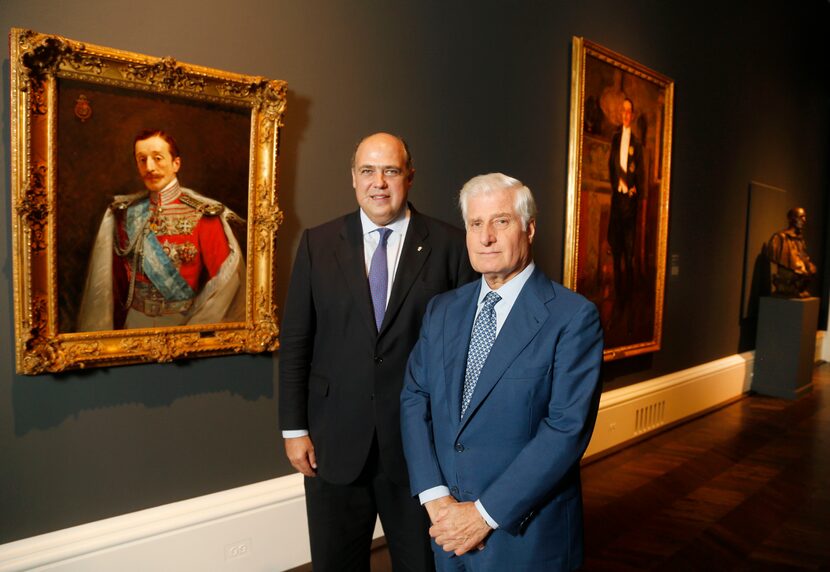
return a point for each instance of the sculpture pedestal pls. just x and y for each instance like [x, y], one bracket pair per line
[785, 346]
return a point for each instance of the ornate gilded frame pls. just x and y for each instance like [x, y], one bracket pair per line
[39, 63]
[600, 80]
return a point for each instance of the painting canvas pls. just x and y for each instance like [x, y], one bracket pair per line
[144, 199]
[618, 194]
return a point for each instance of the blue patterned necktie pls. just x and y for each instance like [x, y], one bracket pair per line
[482, 339]
[379, 276]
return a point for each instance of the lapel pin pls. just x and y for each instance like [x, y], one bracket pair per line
[420, 248]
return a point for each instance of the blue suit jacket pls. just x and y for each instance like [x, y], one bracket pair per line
[526, 428]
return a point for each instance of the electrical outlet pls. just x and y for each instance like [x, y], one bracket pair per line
[675, 265]
[238, 549]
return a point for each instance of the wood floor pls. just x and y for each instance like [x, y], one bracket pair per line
[746, 487]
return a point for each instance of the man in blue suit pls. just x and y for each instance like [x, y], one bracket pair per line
[500, 398]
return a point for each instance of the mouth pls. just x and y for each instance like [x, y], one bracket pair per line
[379, 197]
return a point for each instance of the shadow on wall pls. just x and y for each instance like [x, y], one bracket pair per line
[291, 138]
[615, 372]
[43, 402]
[766, 209]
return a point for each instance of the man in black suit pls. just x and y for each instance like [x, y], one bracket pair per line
[358, 292]
[627, 174]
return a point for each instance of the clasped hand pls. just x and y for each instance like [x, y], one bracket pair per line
[457, 526]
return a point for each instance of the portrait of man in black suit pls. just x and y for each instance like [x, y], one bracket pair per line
[619, 191]
[358, 292]
[627, 176]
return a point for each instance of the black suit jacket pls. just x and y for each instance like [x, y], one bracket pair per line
[339, 377]
[623, 216]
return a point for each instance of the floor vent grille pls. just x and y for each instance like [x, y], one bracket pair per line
[649, 417]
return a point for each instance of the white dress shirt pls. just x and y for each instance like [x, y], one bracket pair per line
[625, 143]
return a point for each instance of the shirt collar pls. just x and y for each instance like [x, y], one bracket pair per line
[510, 290]
[398, 225]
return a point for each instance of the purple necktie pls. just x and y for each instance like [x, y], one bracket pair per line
[379, 276]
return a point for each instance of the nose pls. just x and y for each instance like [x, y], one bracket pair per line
[150, 165]
[487, 236]
[379, 181]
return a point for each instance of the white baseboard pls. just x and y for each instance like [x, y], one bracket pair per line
[263, 527]
[256, 527]
[630, 412]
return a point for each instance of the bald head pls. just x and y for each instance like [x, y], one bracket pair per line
[379, 136]
[797, 218]
[382, 174]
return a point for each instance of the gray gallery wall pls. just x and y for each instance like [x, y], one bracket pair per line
[475, 87]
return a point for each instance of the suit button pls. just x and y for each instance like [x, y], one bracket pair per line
[454, 491]
[378, 360]
[459, 447]
[372, 396]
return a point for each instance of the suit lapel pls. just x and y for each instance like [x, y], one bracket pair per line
[457, 330]
[524, 322]
[349, 256]
[414, 254]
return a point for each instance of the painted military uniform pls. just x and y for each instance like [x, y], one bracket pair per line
[172, 260]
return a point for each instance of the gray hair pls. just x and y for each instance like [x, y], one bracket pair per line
[524, 204]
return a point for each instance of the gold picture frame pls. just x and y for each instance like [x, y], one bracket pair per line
[75, 111]
[618, 194]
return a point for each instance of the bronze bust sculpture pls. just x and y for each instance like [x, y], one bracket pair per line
[790, 267]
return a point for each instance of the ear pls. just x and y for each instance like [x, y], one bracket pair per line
[177, 162]
[531, 230]
[410, 176]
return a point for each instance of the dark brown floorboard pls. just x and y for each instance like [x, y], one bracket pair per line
[744, 488]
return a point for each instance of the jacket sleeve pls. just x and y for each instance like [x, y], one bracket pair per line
[563, 435]
[416, 415]
[297, 342]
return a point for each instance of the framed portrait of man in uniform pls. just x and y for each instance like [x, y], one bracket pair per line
[144, 206]
[618, 194]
